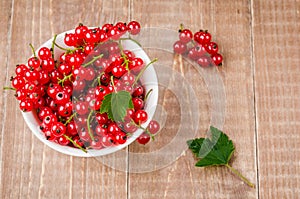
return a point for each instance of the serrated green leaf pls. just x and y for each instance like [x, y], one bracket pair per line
[106, 105]
[116, 104]
[195, 145]
[216, 150]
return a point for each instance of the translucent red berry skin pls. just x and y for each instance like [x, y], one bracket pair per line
[26, 105]
[140, 117]
[217, 59]
[211, 48]
[202, 37]
[185, 35]
[153, 127]
[34, 62]
[134, 27]
[179, 47]
[204, 61]
[144, 138]
[44, 53]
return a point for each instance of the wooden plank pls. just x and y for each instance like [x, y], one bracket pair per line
[277, 86]
[30, 169]
[5, 21]
[229, 24]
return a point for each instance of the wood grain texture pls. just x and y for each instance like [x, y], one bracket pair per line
[277, 82]
[29, 169]
[229, 24]
[260, 43]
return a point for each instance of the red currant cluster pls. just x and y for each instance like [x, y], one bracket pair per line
[67, 90]
[198, 47]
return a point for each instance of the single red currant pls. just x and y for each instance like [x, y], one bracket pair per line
[44, 53]
[217, 59]
[179, 47]
[134, 27]
[153, 127]
[144, 138]
[140, 117]
[185, 35]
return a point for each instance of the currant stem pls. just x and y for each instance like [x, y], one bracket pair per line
[8, 88]
[233, 170]
[92, 61]
[58, 46]
[181, 27]
[74, 143]
[66, 77]
[33, 51]
[88, 125]
[129, 38]
[142, 71]
[112, 83]
[148, 93]
[144, 129]
[52, 47]
[69, 119]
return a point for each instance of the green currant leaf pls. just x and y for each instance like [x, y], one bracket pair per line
[116, 104]
[213, 151]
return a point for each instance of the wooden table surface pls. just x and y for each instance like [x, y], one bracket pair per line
[260, 42]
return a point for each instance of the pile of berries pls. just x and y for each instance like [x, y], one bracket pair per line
[198, 47]
[67, 90]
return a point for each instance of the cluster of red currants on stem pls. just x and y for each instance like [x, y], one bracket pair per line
[198, 47]
[67, 90]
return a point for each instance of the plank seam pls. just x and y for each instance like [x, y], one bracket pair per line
[8, 48]
[254, 94]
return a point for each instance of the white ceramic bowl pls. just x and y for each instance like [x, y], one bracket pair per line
[149, 80]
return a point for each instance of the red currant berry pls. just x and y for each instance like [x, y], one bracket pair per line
[204, 61]
[137, 103]
[217, 59]
[97, 143]
[34, 62]
[44, 53]
[101, 130]
[49, 119]
[78, 142]
[121, 137]
[65, 110]
[185, 35]
[113, 128]
[139, 91]
[70, 39]
[72, 128]
[144, 138]
[81, 107]
[108, 140]
[53, 89]
[179, 47]
[211, 48]
[129, 127]
[26, 105]
[62, 140]
[134, 27]
[43, 112]
[140, 117]
[84, 135]
[202, 37]
[44, 77]
[101, 118]
[153, 127]
[21, 70]
[107, 27]
[18, 82]
[32, 75]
